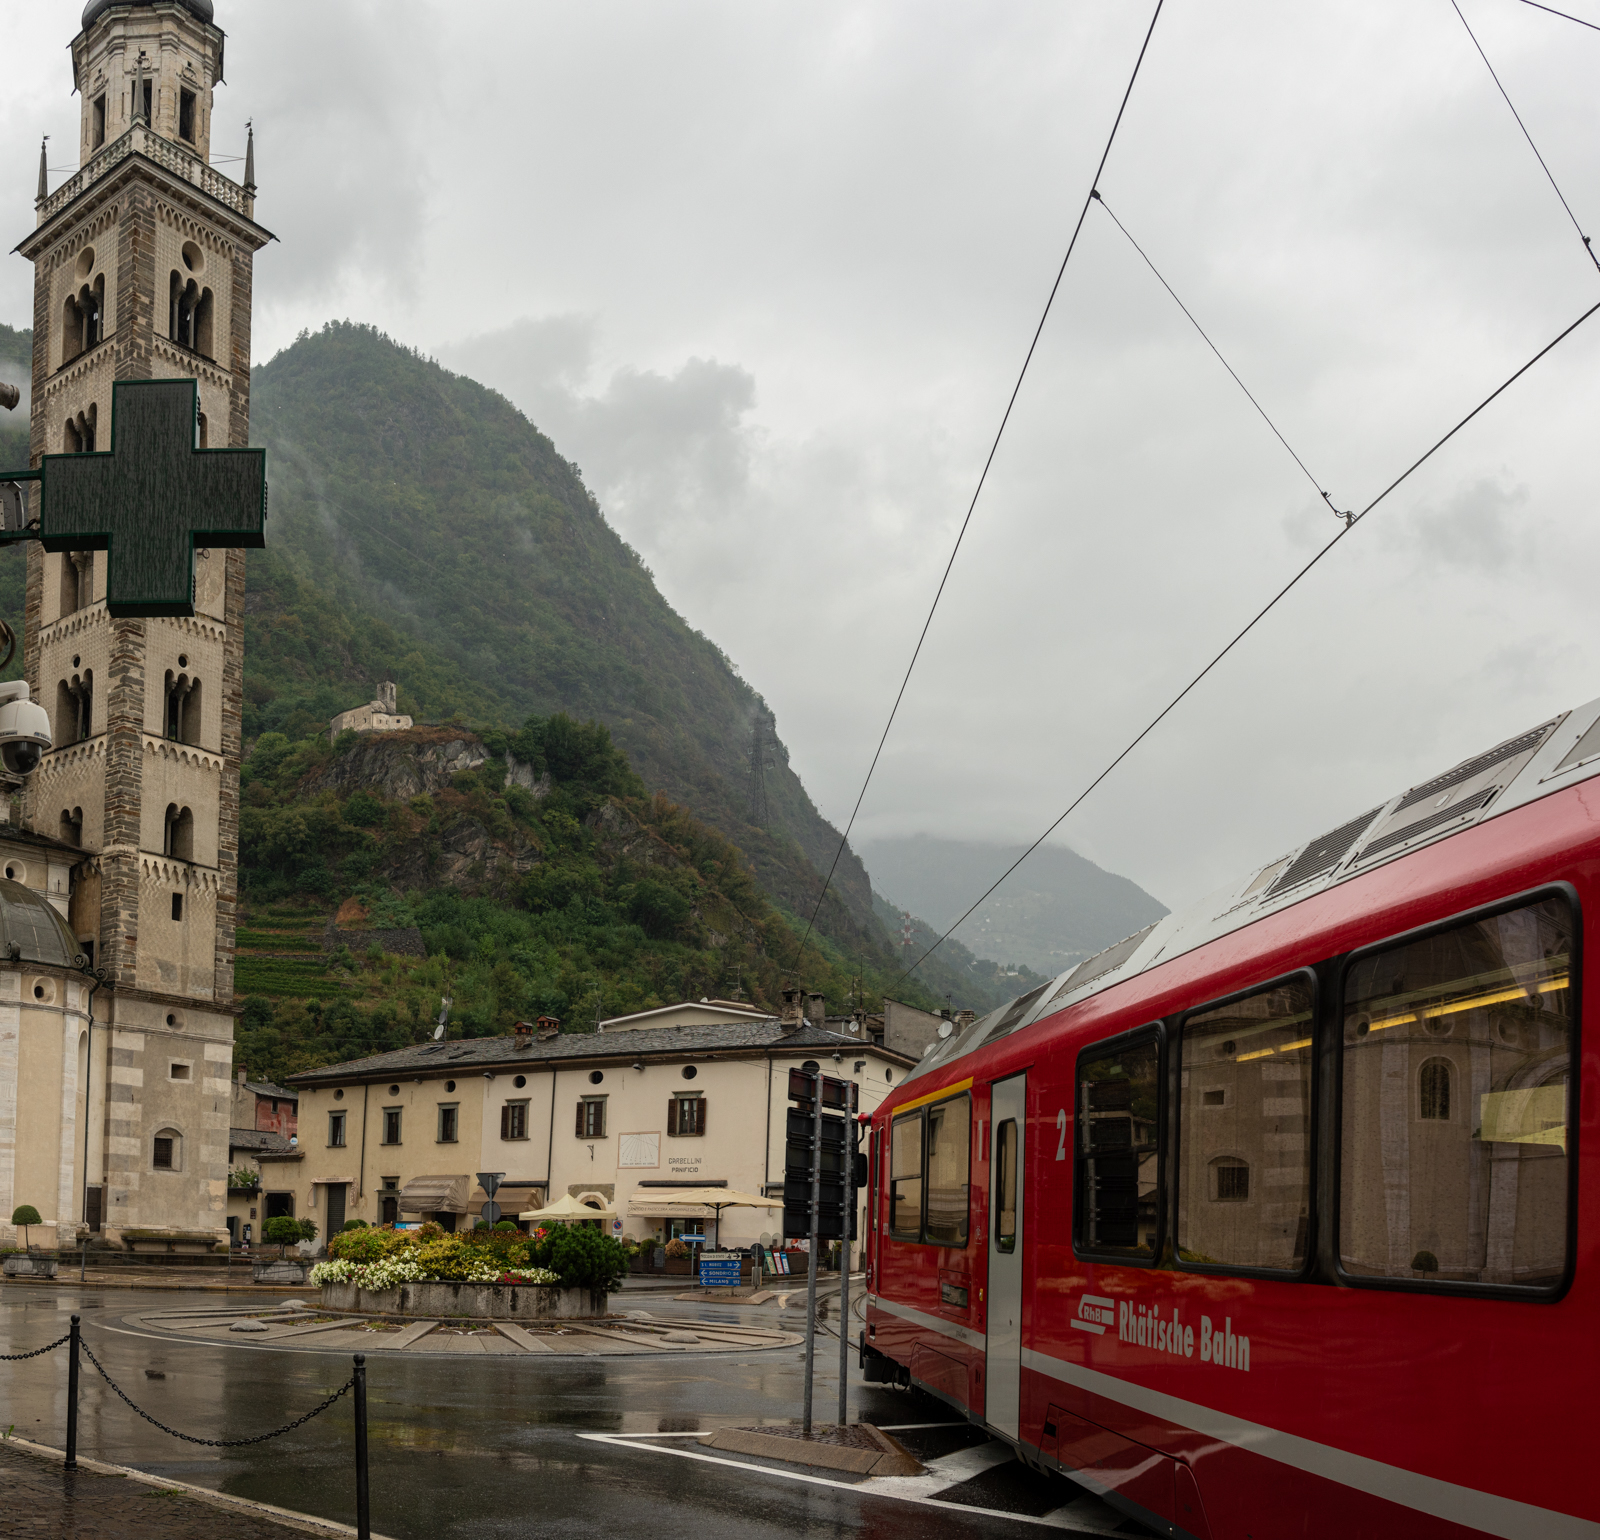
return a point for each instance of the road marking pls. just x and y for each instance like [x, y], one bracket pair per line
[1056, 1519]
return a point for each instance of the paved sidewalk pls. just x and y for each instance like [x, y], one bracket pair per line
[39, 1500]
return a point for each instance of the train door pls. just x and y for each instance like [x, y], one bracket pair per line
[1003, 1376]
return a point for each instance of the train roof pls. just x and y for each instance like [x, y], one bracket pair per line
[1559, 752]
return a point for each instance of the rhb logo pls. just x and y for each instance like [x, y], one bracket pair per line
[1095, 1314]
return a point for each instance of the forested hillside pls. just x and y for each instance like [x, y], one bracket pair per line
[422, 527]
[542, 878]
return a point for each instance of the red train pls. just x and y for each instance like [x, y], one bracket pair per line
[1279, 1218]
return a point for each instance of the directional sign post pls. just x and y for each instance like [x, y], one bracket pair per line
[719, 1269]
[149, 502]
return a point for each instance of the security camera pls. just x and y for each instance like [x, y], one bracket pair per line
[10, 396]
[24, 729]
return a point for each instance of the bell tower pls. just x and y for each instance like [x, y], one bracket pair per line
[142, 270]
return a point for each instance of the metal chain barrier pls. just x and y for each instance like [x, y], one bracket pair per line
[214, 1443]
[11, 1358]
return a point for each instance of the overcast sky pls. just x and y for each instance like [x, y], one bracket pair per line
[767, 273]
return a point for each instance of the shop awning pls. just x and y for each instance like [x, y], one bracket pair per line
[511, 1196]
[661, 1208]
[435, 1195]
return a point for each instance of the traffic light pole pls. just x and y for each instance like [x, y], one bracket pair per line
[811, 1279]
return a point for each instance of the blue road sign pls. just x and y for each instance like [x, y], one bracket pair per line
[719, 1269]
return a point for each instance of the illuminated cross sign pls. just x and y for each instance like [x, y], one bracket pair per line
[152, 499]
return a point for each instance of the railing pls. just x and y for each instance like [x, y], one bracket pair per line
[141, 140]
[75, 1345]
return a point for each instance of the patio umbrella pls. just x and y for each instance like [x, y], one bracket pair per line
[566, 1210]
[719, 1198]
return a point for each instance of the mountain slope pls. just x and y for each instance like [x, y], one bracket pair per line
[1056, 910]
[421, 526]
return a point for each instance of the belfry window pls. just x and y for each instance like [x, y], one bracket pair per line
[149, 86]
[181, 719]
[71, 832]
[177, 906]
[178, 836]
[99, 121]
[77, 581]
[186, 115]
[75, 709]
[190, 310]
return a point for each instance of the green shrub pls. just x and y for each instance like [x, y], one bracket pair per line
[354, 1224]
[506, 1224]
[367, 1244]
[584, 1258]
[281, 1230]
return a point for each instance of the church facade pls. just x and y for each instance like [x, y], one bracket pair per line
[143, 270]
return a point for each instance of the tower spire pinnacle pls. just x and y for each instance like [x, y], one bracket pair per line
[44, 185]
[250, 155]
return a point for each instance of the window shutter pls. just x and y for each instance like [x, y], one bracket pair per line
[599, 1129]
[673, 1104]
[505, 1122]
[700, 1115]
[581, 1129]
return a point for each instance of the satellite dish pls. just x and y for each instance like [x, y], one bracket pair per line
[946, 1030]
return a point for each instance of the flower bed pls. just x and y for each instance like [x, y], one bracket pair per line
[574, 1259]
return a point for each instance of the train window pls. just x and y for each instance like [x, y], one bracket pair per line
[949, 1157]
[905, 1177]
[1454, 1107]
[1244, 1131]
[1118, 1145]
[929, 1159]
[1005, 1186]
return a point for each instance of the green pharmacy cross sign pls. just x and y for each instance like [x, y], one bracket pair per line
[150, 500]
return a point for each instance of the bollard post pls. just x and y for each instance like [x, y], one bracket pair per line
[72, 1396]
[363, 1504]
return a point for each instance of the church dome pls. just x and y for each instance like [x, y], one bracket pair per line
[201, 10]
[31, 923]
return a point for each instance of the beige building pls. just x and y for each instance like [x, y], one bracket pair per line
[142, 270]
[624, 1117]
[377, 716]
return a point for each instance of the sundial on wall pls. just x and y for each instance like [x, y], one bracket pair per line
[149, 501]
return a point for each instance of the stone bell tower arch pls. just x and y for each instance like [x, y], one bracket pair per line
[143, 270]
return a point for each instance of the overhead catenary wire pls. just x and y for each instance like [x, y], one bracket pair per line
[1564, 16]
[1245, 630]
[1249, 395]
[1588, 245]
[983, 476]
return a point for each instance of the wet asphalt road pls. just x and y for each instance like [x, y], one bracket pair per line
[468, 1448]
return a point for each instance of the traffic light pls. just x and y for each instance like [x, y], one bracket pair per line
[835, 1211]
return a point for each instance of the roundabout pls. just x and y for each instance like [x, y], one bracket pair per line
[296, 1326]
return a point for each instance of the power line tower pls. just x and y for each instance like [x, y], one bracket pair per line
[762, 736]
[907, 937]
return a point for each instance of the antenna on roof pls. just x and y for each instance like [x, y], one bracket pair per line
[445, 1002]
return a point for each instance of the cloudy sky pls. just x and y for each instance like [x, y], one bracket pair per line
[767, 273]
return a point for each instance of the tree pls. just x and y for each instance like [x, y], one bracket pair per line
[25, 1214]
[284, 1230]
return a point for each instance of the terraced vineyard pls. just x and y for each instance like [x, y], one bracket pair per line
[278, 952]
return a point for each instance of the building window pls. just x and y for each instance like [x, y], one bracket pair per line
[75, 709]
[77, 582]
[514, 1120]
[1230, 1180]
[447, 1122]
[186, 115]
[389, 1201]
[592, 1117]
[177, 906]
[391, 1125]
[1434, 1084]
[686, 1115]
[149, 87]
[336, 1130]
[1485, 1196]
[177, 1071]
[166, 1150]
[99, 126]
